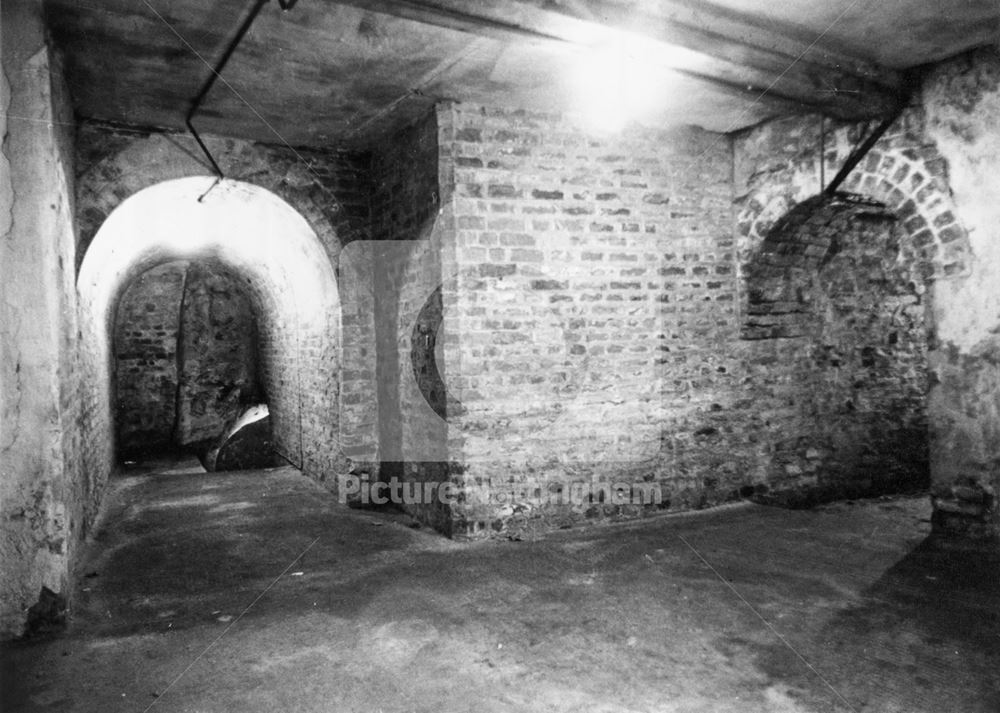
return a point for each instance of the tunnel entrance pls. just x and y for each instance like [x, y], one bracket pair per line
[202, 300]
[186, 361]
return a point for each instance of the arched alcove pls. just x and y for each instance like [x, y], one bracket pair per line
[787, 276]
[835, 303]
[286, 273]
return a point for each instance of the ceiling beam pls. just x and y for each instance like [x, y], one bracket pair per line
[711, 44]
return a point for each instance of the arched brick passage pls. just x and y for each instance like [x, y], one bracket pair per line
[329, 189]
[836, 312]
[908, 181]
[185, 345]
[287, 274]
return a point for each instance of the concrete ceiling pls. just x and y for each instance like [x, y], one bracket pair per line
[343, 72]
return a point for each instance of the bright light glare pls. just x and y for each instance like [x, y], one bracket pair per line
[626, 78]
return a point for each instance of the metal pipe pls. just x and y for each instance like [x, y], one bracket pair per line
[861, 151]
[217, 71]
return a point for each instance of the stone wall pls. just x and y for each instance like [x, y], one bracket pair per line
[962, 105]
[46, 498]
[186, 357]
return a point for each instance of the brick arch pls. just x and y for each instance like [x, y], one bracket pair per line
[760, 214]
[286, 270]
[834, 312]
[134, 164]
[785, 271]
[910, 183]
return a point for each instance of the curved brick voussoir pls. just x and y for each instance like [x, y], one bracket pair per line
[911, 182]
[915, 188]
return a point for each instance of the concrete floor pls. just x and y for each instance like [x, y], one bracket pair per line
[254, 591]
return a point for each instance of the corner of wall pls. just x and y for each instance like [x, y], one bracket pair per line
[961, 99]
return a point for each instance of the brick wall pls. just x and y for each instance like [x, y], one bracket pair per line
[217, 357]
[318, 367]
[594, 327]
[784, 162]
[569, 308]
[404, 182]
[186, 357]
[839, 332]
[593, 316]
[359, 427]
[281, 375]
[405, 205]
[146, 329]
[404, 197]
[930, 170]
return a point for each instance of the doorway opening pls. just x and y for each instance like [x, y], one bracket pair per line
[223, 299]
[186, 362]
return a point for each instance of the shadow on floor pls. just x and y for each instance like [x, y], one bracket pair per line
[927, 630]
